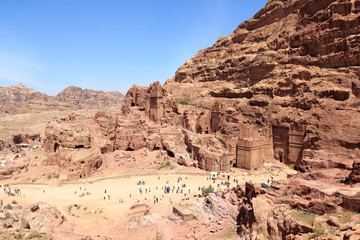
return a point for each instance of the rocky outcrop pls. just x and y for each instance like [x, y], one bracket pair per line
[66, 136]
[75, 164]
[20, 99]
[354, 177]
[291, 73]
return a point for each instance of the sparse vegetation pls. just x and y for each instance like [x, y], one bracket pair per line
[230, 232]
[56, 175]
[35, 235]
[191, 219]
[281, 195]
[318, 231]
[149, 133]
[14, 202]
[165, 165]
[18, 236]
[304, 217]
[183, 102]
[49, 176]
[272, 57]
[8, 206]
[69, 208]
[237, 87]
[343, 217]
[207, 190]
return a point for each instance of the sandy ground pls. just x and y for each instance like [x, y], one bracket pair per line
[92, 208]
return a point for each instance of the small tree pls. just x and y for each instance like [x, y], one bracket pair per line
[206, 191]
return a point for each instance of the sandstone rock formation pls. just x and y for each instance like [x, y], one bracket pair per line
[291, 74]
[284, 86]
[355, 174]
[20, 99]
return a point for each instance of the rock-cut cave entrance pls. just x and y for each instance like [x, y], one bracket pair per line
[170, 153]
[56, 146]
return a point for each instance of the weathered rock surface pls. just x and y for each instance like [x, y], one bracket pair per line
[20, 99]
[291, 73]
[355, 174]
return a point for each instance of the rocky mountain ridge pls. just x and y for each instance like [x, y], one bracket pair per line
[21, 99]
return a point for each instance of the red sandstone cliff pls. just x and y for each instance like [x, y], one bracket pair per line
[20, 99]
[293, 67]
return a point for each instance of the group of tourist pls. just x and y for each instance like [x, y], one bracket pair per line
[12, 192]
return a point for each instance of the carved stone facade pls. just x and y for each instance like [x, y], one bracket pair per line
[281, 143]
[148, 99]
[213, 162]
[215, 116]
[249, 154]
[249, 150]
[203, 122]
[136, 97]
[288, 143]
[156, 110]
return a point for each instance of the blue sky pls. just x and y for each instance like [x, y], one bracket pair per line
[107, 45]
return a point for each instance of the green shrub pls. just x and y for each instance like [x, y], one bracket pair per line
[49, 176]
[207, 190]
[56, 175]
[18, 236]
[192, 218]
[35, 235]
[14, 202]
[165, 165]
[8, 206]
[183, 102]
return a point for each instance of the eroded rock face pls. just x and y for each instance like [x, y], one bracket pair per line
[20, 99]
[66, 136]
[76, 164]
[355, 174]
[291, 72]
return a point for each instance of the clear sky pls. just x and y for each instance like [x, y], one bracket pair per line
[107, 45]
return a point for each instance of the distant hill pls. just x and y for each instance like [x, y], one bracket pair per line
[21, 99]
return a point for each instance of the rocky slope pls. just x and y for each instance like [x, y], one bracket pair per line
[295, 62]
[20, 99]
[284, 86]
